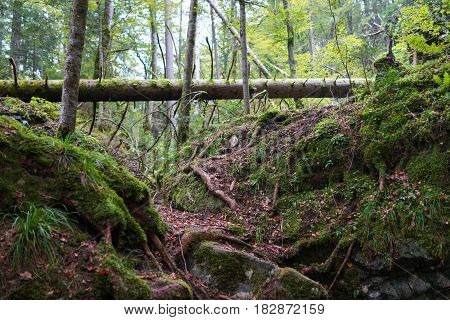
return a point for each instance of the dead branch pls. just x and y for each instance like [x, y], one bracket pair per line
[347, 256]
[207, 180]
[151, 257]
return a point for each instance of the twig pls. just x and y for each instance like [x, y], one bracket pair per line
[94, 114]
[119, 125]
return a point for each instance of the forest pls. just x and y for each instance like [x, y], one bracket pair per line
[224, 149]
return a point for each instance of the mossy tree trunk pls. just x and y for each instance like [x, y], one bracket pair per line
[69, 99]
[164, 90]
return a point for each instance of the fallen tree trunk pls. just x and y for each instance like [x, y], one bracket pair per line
[167, 90]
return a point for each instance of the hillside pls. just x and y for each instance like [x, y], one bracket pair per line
[344, 201]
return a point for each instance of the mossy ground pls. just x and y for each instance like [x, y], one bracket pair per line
[75, 175]
[375, 170]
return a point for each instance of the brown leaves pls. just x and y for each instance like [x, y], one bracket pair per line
[25, 276]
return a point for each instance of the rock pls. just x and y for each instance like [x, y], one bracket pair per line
[243, 275]
[234, 141]
[289, 284]
[237, 273]
[166, 288]
[413, 255]
[370, 261]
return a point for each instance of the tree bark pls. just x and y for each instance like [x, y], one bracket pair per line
[185, 104]
[169, 72]
[244, 58]
[163, 90]
[16, 32]
[214, 45]
[104, 39]
[70, 90]
[153, 112]
[236, 35]
[290, 40]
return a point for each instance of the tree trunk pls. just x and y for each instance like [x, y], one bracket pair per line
[244, 58]
[236, 35]
[185, 104]
[104, 39]
[169, 72]
[16, 32]
[290, 40]
[214, 44]
[70, 90]
[156, 90]
[153, 111]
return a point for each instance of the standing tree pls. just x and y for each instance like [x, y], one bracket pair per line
[244, 58]
[16, 31]
[185, 103]
[169, 72]
[71, 86]
[290, 38]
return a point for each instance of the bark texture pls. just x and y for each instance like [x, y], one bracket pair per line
[163, 90]
[70, 89]
[244, 58]
[185, 105]
[290, 40]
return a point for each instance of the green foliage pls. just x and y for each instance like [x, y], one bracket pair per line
[33, 234]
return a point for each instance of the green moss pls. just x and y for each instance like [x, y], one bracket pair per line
[293, 285]
[431, 168]
[231, 269]
[36, 112]
[47, 171]
[114, 280]
[190, 194]
[274, 116]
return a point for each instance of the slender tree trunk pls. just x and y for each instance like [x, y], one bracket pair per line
[214, 44]
[290, 40]
[180, 42]
[104, 38]
[16, 32]
[156, 117]
[197, 70]
[244, 54]
[69, 99]
[169, 72]
[236, 35]
[185, 106]
[366, 8]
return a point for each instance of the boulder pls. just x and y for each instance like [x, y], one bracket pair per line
[244, 275]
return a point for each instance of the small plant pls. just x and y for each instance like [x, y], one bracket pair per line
[33, 239]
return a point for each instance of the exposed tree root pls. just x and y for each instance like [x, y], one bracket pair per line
[347, 256]
[194, 236]
[255, 135]
[151, 257]
[230, 202]
[276, 190]
[198, 291]
[107, 233]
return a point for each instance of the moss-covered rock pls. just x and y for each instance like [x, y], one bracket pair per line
[49, 172]
[431, 168]
[233, 271]
[36, 112]
[190, 194]
[114, 280]
[289, 284]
